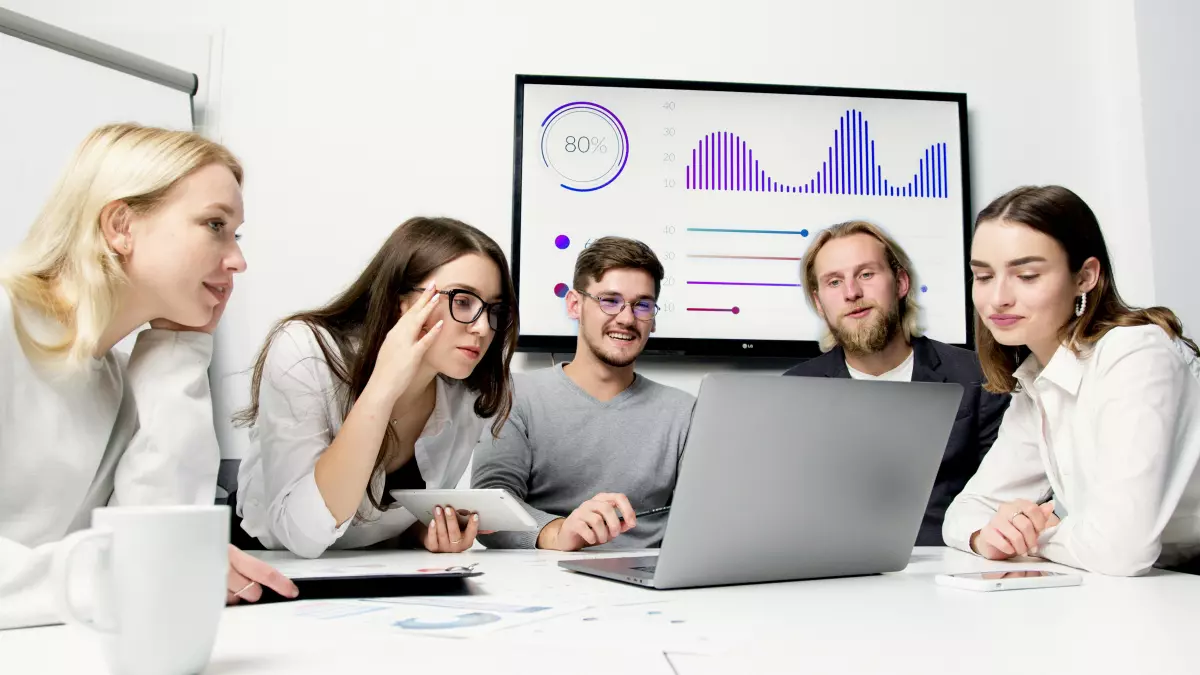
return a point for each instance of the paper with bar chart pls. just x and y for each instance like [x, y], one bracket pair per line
[728, 188]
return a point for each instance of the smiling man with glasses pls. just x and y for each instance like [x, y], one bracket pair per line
[591, 442]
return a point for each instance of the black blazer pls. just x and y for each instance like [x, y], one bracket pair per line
[974, 430]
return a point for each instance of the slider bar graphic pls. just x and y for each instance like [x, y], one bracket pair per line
[742, 257]
[740, 283]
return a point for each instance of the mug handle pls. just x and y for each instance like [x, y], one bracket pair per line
[61, 573]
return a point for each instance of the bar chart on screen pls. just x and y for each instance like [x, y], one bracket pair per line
[723, 160]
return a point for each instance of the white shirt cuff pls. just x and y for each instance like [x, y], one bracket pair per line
[201, 344]
[960, 527]
[312, 527]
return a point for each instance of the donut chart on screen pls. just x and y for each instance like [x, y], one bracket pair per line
[585, 145]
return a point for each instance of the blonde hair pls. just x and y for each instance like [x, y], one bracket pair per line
[897, 259]
[64, 268]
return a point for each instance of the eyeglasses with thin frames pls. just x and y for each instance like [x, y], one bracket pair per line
[466, 307]
[613, 304]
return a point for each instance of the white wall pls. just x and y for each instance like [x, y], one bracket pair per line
[1169, 65]
[181, 34]
[351, 120]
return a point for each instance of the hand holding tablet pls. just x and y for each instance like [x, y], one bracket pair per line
[498, 510]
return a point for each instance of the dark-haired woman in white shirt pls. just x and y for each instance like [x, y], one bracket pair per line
[1095, 465]
[387, 387]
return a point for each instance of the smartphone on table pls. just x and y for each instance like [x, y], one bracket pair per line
[1008, 580]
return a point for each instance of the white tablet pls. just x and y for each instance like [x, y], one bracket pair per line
[498, 510]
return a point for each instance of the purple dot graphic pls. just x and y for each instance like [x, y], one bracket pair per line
[562, 241]
[736, 310]
[924, 289]
[561, 290]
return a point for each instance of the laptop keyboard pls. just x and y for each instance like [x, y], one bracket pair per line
[645, 568]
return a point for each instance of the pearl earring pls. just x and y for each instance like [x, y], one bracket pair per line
[1082, 305]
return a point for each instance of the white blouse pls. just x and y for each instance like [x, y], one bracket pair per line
[298, 417]
[116, 433]
[1116, 436]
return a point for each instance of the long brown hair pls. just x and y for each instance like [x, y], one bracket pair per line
[360, 317]
[1061, 214]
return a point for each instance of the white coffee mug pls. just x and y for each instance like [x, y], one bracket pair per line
[159, 587]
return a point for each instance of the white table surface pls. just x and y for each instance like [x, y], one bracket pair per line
[891, 623]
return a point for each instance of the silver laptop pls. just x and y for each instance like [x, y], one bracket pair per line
[787, 478]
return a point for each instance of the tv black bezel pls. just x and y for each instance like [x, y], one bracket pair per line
[706, 347]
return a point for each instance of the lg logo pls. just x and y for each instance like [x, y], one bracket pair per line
[747, 345]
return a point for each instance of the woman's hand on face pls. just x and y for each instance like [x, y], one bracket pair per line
[404, 347]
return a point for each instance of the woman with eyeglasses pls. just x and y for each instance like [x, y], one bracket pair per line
[389, 386]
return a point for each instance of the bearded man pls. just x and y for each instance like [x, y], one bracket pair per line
[862, 284]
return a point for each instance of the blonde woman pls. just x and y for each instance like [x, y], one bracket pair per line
[140, 229]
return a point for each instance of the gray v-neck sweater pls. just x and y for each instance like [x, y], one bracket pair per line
[560, 446]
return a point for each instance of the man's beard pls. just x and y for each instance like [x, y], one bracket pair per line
[869, 338]
[609, 360]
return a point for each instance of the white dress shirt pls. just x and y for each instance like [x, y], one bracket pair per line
[1116, 435]
[299, 415]
[116, 433]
